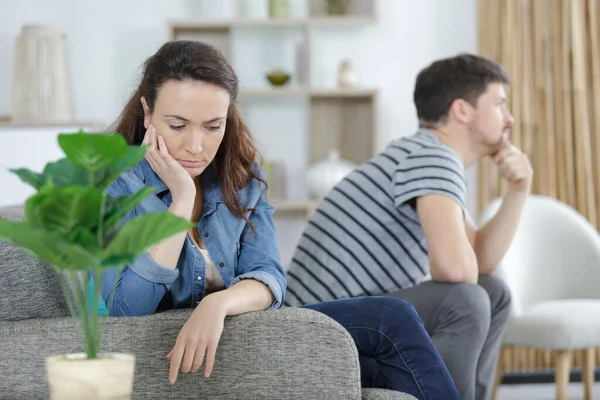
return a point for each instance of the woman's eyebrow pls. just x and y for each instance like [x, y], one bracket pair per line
[187, 120]
[216, 119]
[178, 117]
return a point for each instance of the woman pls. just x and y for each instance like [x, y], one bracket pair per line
[202, 161]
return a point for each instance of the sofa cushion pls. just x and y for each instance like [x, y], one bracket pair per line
[557, 324]
[30, 289]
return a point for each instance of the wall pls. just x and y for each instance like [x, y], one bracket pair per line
[109, 39]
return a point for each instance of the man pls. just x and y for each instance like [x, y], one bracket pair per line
[402, 215]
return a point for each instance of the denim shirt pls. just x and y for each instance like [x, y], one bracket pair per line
[145, 286]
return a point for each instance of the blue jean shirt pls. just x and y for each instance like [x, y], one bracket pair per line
[145, 286]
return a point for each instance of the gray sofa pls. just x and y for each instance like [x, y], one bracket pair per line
[283, 354]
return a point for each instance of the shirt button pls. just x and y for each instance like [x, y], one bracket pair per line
[199, 278]
[206, 234]
[221, 265]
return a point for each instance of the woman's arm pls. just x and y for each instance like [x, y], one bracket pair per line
[261, 284]
[167, 252]
[141, 285]
[259, 259]
[245, 296]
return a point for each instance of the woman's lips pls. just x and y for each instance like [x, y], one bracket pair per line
[190, 163]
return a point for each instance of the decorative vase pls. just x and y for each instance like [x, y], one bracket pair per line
[279, 8]
[40, 88]
[337, 7]
[347, 77]
[324, 175]
[73, 376]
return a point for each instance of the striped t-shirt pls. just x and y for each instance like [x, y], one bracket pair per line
[365, 237]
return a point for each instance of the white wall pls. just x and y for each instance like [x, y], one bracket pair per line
[107, 41]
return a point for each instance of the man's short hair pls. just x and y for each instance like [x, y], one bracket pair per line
[464, 76]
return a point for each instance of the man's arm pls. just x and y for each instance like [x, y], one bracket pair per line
[451, 255]
[491, 241]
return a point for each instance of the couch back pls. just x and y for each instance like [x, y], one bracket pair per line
[28, 288]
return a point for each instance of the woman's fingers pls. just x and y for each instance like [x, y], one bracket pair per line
[176, 361]
[199, 357]
[188, 358]
[162, 148]
[210, 360]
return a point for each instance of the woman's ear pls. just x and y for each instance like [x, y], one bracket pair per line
[146, 112]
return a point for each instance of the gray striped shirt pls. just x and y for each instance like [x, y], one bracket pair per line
[365, 237]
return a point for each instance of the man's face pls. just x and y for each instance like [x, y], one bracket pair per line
[491, 120]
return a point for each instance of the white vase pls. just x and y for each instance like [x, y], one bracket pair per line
[73, 376]
[40, 91]
[347, 76]
[324, 175]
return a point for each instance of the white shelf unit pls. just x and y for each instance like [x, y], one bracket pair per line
[334, 118]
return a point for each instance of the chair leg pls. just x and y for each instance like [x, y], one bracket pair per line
[499, 371]
[561, 374]
[589, 366]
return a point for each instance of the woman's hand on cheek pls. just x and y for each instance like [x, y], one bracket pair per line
[198, 339]
[178, 180]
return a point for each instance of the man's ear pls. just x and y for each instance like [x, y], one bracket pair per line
[146, 112]
[461, 110]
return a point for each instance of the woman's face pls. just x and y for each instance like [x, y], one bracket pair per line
[191, 116]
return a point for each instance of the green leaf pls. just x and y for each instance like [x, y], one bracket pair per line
[33, 178]
[84, 238]
[64, 209]
[93, 151]
[131, 158]
[139, 234]
[49, 247]
[64, 173]
[119, 207]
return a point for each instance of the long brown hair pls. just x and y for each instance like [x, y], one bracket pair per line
[198, 61]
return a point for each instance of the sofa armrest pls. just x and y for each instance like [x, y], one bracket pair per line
[384, 394]
[28, 287]
[284, 354]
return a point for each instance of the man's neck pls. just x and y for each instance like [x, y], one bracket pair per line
[459, 142]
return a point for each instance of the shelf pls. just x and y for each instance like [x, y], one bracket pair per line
[275, 92]
[343, 93]
[10, 124]
[224, 24]
[316, 93]
[304, 207]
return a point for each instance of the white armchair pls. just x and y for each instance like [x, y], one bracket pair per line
[553, 270]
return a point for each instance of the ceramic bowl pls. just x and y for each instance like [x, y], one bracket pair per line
[278, 78]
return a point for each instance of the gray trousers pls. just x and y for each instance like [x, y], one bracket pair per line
[466, 323]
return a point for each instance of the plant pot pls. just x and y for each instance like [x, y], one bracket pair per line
[73, 376]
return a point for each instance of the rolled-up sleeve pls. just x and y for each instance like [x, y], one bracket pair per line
[145, 266]
[259, 256]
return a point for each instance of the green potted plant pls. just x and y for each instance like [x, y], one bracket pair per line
[75, 227]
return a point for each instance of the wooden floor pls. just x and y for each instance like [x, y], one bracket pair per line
[541, 391]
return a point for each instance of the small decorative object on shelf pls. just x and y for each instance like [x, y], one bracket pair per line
[40, 91]
[324, 175]
[347, 77]
[337, 7]
[278, 77]
[279, 8]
